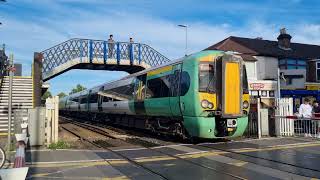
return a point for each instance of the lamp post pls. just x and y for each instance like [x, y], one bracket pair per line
[186, 28]
[2, 1]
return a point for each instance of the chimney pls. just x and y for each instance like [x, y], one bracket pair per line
[284, 39]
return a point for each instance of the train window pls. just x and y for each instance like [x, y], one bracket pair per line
[123, 92]
[74, 99]
[165, 86]
[83, 100]
[206, 77]
[245, 81]
[158, 87]
[106, 99]
[175, 83]
[154, 88]
[185, 83]
[93, 98]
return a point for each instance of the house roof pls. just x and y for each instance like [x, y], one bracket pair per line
[259, 47]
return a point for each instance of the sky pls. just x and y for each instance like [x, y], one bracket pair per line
[30, 26]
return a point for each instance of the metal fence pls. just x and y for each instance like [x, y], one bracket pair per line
[302, 127]
[290, 124]
[252, 129]
[307, 127]
[89, 50]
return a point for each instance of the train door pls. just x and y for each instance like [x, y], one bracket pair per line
[175, 90]
[231, 87]
[158, 92]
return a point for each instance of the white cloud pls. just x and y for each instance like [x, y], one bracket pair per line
[307, 33]
[25, 36]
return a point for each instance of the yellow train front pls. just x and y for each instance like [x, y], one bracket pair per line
[218, 106]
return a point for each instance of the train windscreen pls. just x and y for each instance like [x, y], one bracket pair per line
[206, 77]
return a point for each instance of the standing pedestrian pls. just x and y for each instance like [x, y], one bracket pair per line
[316, 108]
[305, 111]
[111, 44]
[131, 40]
[316, 115]
[130, 50]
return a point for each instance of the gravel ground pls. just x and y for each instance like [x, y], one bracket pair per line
[124, 138]
[73, 141]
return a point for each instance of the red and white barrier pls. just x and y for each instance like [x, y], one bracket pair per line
[20, 160]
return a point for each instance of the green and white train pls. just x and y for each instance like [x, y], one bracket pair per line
[204, 95]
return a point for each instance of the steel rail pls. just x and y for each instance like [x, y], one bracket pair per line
[177, 157]
[119, 154]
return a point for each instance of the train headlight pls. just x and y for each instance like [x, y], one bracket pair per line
[245, 104]
[210, 106]
[205, 103]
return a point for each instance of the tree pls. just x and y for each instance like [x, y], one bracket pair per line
[46, 95]
[78, 88]
[62, 95]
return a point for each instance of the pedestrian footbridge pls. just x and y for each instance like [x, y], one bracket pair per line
[98, 55]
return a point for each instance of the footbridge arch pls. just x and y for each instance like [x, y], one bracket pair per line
[98, 55]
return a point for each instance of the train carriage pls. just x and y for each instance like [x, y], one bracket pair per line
[203, 95]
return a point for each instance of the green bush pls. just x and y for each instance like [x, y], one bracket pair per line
[59, 145]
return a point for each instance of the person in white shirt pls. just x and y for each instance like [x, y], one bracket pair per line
[305, 111]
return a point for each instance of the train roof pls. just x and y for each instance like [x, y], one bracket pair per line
[128, 77]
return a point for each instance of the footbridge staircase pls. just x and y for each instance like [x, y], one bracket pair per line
[98, 55]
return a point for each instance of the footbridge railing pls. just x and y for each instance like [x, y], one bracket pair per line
[72, 53]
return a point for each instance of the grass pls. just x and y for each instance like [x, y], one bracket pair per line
[59, 145]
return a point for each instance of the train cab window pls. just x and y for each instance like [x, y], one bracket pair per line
[206, 77]
[245, 81]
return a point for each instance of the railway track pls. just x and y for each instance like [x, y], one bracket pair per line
[103, 146]
[239, 155]
[103, 132]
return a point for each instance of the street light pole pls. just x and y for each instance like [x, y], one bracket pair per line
[3, 2]
[186, 28]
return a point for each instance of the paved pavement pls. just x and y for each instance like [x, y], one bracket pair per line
[272, 158]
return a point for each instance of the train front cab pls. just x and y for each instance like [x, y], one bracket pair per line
[221, 102]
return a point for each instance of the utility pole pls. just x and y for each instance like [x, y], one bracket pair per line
[3, 2]
[186, 28]
[278, 84]
[11, 69]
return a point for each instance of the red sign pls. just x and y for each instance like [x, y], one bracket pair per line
[256, 86]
